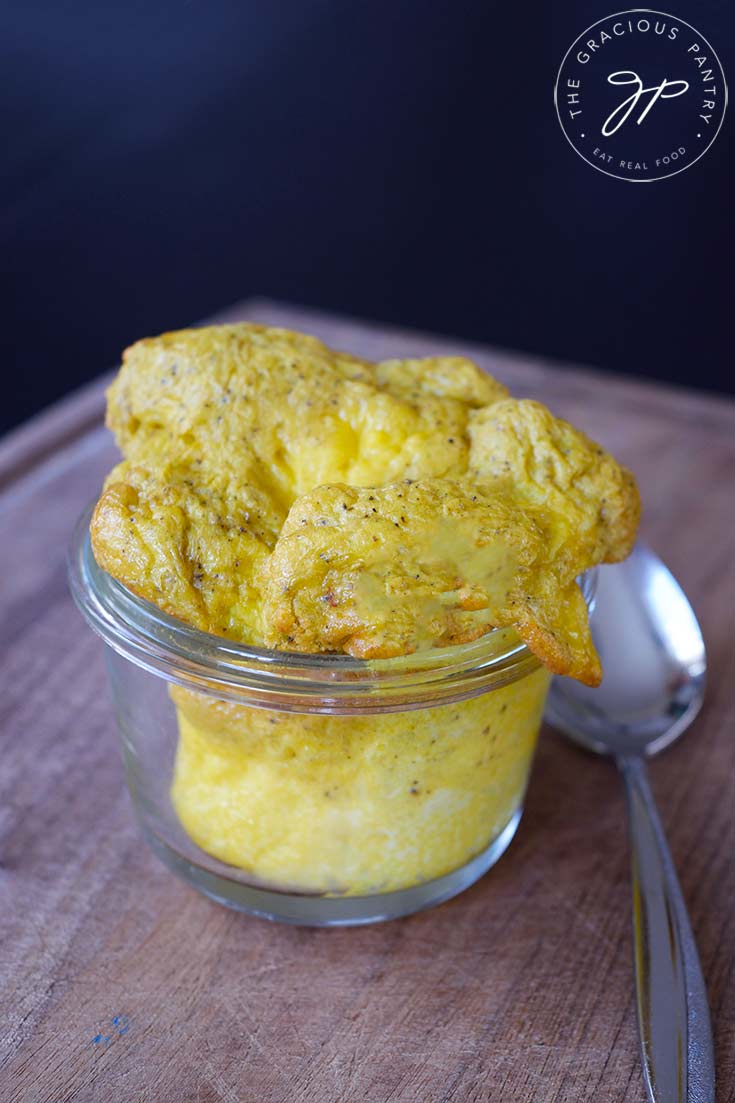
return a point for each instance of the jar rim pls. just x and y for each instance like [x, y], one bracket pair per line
[288, 680]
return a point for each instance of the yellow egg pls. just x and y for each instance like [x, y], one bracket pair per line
[354, 805]
[281, 494]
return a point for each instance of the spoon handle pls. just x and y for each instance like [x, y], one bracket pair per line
[673, 1015]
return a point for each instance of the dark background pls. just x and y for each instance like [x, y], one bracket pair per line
[395, 159]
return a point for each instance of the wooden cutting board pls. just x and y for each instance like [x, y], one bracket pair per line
[122, 984]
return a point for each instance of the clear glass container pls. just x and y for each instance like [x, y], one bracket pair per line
[316, 789]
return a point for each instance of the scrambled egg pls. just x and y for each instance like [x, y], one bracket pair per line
[279, 493]
[353, 805]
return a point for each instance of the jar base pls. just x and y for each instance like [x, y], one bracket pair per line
[333, 911]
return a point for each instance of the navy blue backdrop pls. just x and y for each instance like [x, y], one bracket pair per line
[397, 160]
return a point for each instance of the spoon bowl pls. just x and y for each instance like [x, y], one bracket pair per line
[653, 658]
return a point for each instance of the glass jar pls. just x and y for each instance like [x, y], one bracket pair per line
[315, 789]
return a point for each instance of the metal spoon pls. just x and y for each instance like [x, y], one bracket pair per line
[654, 662]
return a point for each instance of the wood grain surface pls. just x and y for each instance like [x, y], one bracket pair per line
[120, 983]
